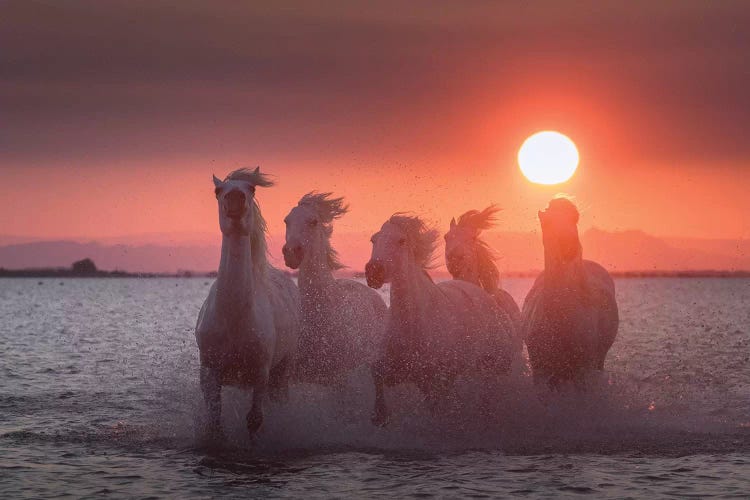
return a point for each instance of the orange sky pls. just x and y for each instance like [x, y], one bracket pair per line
[110, 130]
[661, 200]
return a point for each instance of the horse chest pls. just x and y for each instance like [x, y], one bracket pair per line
[564, 332]
[236, 358]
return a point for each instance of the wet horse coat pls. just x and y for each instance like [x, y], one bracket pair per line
[343, 321]
[469, 258]
[248, 326]
[435, 331]
[570, 316]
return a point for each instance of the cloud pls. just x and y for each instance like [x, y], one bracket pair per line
[145, 78]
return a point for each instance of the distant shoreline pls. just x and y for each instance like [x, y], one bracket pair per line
[69, 273]
[708, 273]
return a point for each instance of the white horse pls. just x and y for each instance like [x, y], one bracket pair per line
[470, 258]
[435, 331]
[570, 316]
[342, 320]
[248, 326]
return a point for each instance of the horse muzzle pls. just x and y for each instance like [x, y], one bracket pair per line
[235, 204]
[375, 274]
[292, 256]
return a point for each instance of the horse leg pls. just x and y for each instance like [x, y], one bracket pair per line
[255, 415]
[438, 391]
[278, 380]
[211, 388]
[380, 414]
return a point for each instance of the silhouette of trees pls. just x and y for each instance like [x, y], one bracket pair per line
[84, 267]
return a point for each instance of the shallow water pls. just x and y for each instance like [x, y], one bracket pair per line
[99, 395]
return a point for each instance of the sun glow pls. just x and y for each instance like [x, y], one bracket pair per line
[548, 158]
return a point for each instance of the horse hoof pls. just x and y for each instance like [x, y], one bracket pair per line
[254, 421]
[380, 419]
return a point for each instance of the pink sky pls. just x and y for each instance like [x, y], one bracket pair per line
[109, 131]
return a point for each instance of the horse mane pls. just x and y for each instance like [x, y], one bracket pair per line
[327, 210]
[254, 177]
[421, 238]
[489, 275]
[479, 221]
[258, 245]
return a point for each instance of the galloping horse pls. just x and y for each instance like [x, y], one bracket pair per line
[470, 258]
[570, 316]
[435, 332]
[343, 321]
[248, 326]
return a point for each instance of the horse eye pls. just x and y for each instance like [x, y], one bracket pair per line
[402, 241]
[313, 222]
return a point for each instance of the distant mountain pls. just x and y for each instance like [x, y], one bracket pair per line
[15, 240]
[735, 253]
[636, 250]
[162, 239]
[618, 251]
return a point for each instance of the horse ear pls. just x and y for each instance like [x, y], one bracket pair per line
[217, 182]
[257, 170]
[453, 222]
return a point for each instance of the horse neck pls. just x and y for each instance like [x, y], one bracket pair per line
[563, 278]
[315, 275]
[471, 272]
[486, 273]
[411, 289]
[236, 280]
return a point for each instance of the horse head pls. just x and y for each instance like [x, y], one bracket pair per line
[309, 226]
[467, 257]
[238, 210]
[559, 223]
[460, 257]
[403, 240]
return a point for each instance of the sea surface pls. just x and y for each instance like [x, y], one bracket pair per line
[99, 398]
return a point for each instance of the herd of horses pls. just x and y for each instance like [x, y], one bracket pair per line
[258, 330]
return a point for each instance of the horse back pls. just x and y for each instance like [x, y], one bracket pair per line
[363, 292]
[366, 308]
[461, 291]
[478, 311]
[602, 289]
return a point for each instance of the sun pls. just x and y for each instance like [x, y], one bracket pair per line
[548, 157]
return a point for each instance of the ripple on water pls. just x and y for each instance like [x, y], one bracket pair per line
[99, 394]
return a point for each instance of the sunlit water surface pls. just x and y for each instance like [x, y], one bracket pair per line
[99, 396]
